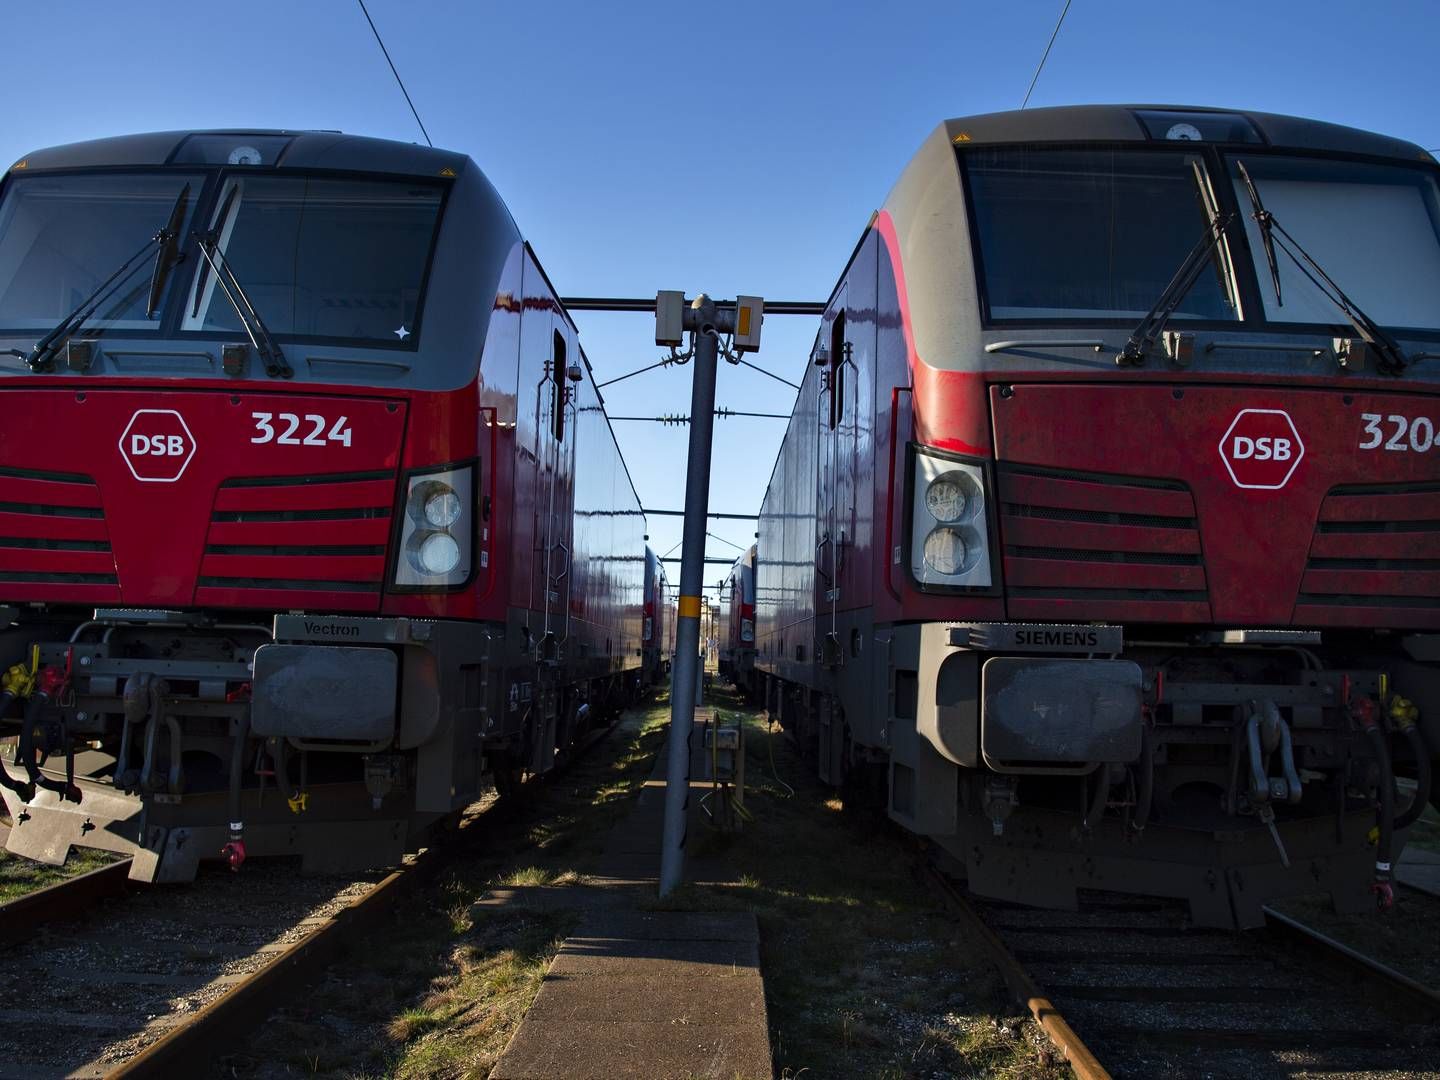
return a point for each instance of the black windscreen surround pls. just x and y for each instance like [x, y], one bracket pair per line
[1088, 234]
[323, 258]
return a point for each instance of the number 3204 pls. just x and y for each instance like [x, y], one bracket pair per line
[290, 429]
[1397, 432]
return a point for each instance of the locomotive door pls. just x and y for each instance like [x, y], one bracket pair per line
[555, 454]
[837, 406]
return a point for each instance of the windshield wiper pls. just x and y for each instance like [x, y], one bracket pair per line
[39, 357]
[276, 366]
[169, 256]
[1390, 358]
[1144, 336]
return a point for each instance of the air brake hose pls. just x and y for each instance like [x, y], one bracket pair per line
[234, 850]
[1385, 814]
[1145, 792]
[25, 791]
[1423, 778]
[66, 788]
[1099, 799]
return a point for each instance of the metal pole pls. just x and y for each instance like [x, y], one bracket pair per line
[701, 320]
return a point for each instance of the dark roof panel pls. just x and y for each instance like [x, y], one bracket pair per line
[1118, 123]
[306, 150]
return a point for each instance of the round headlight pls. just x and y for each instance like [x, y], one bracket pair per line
[437, 554]
[945, 499]
[442, 509]
[945, 551]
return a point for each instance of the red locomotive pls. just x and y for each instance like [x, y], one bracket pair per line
[1104, 542]
[311, 518]
[737, 621]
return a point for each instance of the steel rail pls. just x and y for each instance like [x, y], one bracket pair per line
[20, 917]
[1083, 1062]
[1383, 977]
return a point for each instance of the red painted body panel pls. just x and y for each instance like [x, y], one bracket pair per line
[1254, 542]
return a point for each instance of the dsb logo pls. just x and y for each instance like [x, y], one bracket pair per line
[161, 445]
[1261, 449]
[157, 446]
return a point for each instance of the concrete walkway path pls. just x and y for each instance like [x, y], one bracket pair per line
[637, 992]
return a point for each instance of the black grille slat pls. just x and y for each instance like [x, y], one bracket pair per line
[289, 585]
[306, 550]
[369, 513]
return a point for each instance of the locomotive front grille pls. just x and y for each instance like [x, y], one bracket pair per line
[318, 540]
[1375, 557]
[53, 533]
[1094, 546]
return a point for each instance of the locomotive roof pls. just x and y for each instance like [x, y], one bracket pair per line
[331, 150]
[1123, 123]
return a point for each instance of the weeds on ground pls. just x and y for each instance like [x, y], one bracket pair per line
[19, 875]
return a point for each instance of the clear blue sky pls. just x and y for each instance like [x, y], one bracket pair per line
[731, 148]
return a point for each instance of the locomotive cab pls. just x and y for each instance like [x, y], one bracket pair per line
[1105, 528]
[296, 435]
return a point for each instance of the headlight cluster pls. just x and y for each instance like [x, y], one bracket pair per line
[747, 629]
[437, 532]
[950, 543]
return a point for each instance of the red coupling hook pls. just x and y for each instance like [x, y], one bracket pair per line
[234, 852]
[1384, 895]
[51, 680]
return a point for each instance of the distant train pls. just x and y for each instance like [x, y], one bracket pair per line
[658, 628]
[311, 518]
[1104, 541]
[737, 621]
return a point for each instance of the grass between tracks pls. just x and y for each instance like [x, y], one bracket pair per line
[865, 975]
[19, 876]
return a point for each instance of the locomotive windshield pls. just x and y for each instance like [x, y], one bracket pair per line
[1089, 233]
[321, 258]
[1068, 233]
[61, 237]
[1375, 229]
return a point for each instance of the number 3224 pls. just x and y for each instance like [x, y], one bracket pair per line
[1397, 433]
[291, 424]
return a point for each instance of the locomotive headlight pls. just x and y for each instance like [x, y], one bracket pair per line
[945, 498]
[437, 554]
[747, 629]
[437, 530]
[949, 529]
[945, 551]
[442, 509]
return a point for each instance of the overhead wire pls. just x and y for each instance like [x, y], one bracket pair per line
[1048, 46]
[394, 72]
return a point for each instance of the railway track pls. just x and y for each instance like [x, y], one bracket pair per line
[1125, 989]
[142, 981]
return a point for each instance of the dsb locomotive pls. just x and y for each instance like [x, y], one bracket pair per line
[311, 518]
[1104, 540]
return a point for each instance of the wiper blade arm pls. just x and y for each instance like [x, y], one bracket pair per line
[1391, 358]
[1266, 221]
[169, 254]
[276, 366]
[1144, 336]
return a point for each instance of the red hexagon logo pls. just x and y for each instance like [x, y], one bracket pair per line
[1261, 449]
[157, 445]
